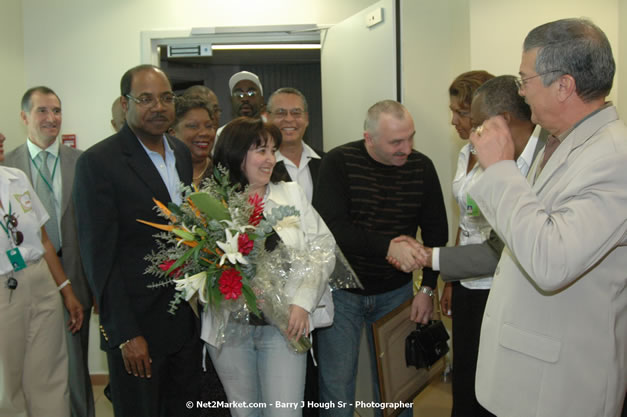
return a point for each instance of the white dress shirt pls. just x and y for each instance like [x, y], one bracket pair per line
[301, 173]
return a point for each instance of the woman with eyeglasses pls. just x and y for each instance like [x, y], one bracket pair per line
[33, 352]
[195, 126]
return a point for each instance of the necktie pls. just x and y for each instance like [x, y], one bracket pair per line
[43, 188]
[551, 146]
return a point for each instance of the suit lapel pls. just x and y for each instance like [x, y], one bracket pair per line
[281, 172]
[142, 165]
[575, 139]
[67, 177]
[22, 160]
[184, 170]
[314, 168]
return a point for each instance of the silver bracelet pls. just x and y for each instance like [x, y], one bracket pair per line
[63, 284]
[426, 290]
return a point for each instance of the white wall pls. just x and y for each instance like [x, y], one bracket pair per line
[621, 51]
[435, 50]
[12, 72]
[498, 28]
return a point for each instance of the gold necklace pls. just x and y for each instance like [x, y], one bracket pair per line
[203, 171]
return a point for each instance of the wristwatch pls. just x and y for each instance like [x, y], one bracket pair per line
[426, 290]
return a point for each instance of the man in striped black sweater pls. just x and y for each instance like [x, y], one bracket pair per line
[369, 192]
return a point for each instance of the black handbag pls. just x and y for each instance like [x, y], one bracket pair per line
[425, 345]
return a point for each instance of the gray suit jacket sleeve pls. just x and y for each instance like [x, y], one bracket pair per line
[470, 261]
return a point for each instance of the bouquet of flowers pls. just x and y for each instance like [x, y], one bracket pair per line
[211, 250]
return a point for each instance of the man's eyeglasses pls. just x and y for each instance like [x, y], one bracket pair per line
[11, 221]
[282, 113]
[521, 82]
[241, 94]
[146, 100]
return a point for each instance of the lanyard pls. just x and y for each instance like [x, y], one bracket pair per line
[6, 227]
[54, 170]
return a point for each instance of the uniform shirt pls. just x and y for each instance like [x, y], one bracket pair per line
[17, 193]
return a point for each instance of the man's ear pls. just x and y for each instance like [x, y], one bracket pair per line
[124, 103]
[24, 117]
[507, 116]
[567, 86]
[368, 138]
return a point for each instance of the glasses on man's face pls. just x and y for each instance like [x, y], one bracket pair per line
[522, 82]
[16, 235]
[282, 113]
[147, 100]
[241, 94]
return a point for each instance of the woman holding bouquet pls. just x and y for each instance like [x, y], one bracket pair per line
[260, 367]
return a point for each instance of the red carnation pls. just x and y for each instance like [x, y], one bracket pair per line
[257, 214]
[244, 244]
[230, 284]
[167, 265]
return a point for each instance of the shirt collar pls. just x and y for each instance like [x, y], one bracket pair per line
[166, 146]
[569, 131]
[527, 153]
[308, 153]
[34, 150]
[8, 175]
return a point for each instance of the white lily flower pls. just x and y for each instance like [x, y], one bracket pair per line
[230, 249]
[191, 285]
[241, 229]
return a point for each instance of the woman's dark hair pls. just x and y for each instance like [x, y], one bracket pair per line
[184, 104]
[236, 139]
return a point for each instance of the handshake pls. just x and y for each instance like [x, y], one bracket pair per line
[407, 254]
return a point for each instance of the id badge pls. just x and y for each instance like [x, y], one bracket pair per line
[472, 209]
[16, 259]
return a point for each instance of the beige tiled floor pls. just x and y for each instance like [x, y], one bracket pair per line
[433, 401]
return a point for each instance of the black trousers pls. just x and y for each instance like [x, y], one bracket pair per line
[176, 380]
[468, 306]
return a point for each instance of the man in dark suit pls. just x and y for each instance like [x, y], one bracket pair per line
[154, 357]
[52, 180]
[296, 161]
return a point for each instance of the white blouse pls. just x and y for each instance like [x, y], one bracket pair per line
[474, 228]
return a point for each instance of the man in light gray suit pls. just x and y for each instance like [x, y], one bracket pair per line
[554, 331]
[50, 167]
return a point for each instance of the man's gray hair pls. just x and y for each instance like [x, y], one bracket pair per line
[391, 107]
[576, 47]
[500, 95]
[27, 99]
[287, 90]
